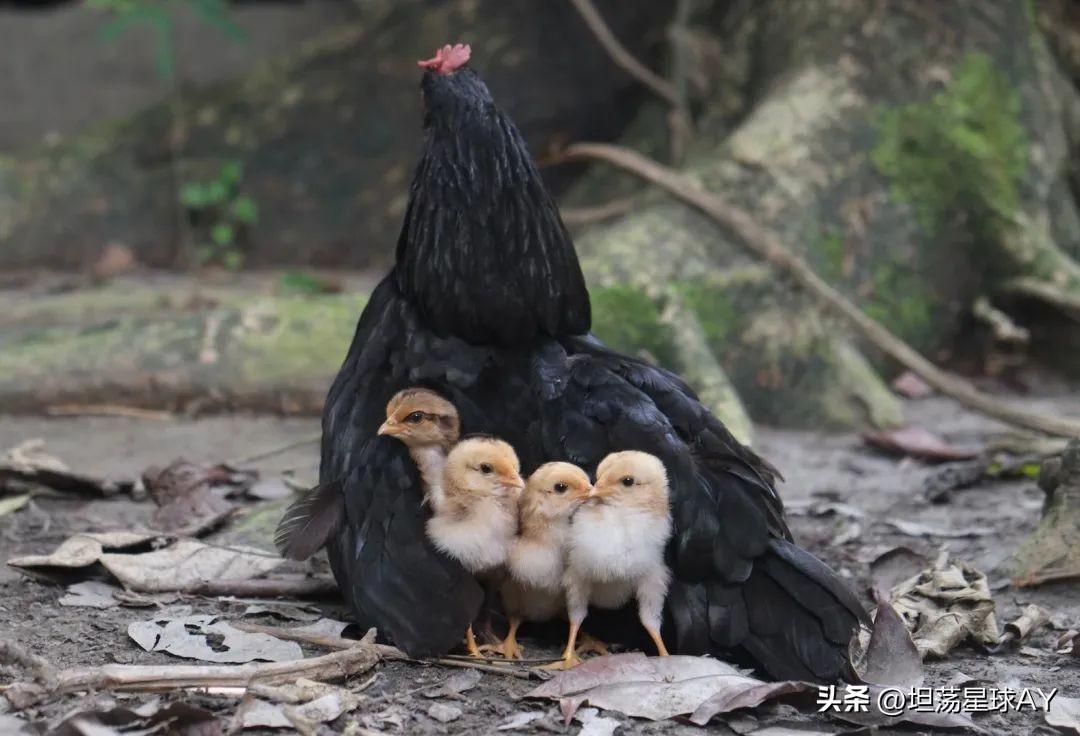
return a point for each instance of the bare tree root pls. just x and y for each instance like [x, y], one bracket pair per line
[1044, 291]
[767, 245]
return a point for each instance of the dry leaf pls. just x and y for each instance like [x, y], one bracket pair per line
[657, 687]
[29, 464]
[519, 720]
[187, 563]
[191, 497]
[80, 551]
[205, 638]
[323, 709]
[910, 385]
[946, 605]
[454, 685]
[12, 504]
[593, 724]
[892, 659]
[444, 713]
[1064, 713]
[179, 719]
[91, 594]
[896, 565]
[917, 442]
[919, 529]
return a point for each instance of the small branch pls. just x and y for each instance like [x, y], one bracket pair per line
[767, 245]
[266, 588]
[238, 462]
[1004, 329]
[107, 410]
[386, 652]
[360, 657]
[581, 216]
[681, 123]
[623, 58]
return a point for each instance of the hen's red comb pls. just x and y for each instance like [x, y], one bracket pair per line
[448, 59]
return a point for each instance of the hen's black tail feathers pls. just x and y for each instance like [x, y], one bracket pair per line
[309, 521]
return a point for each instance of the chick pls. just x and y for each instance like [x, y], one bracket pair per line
[429, 426]
[536, 563]
[616, 546]
[474, 518]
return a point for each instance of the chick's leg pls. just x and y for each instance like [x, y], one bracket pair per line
[508, 647]
[470, 644]
[651, 592]
[577, 607]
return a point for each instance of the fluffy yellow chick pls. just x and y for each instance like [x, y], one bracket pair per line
[429, 426]
[475, 518]
[536, 562]
[616, 546]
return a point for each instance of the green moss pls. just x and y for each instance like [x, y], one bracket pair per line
[830, 252]
[627, 319]
[901, 302]
[961, 152]
[715, 310]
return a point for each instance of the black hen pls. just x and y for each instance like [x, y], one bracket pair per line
[486, 303]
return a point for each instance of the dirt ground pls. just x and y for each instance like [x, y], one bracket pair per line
[818, 468]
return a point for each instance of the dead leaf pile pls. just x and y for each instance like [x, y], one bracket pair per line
[131, 559]
[149, 718]
[946, 605]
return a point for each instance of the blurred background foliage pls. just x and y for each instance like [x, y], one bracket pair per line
[247, 164]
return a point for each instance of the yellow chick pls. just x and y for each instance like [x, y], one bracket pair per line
[475, 518]
[429, 426]
[616, 546]
[536, 562]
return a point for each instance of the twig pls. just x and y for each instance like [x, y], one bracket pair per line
[623, 58]
[265, 588]
[386, 652]
[107, 410]
[767, 245]
[276, 451]
[681, 122]
[581, 216]
[1047, 576]
[360, 657]
[1004, 329]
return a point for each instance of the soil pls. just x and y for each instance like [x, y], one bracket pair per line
[818, 467]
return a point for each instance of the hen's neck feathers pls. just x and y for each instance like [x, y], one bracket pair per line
[483, 253]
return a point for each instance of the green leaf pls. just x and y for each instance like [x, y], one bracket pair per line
[223, 234]
[245, 210]
[232, 259]
[217, 14]
[231, 173]
[194, 195]
[216, 192]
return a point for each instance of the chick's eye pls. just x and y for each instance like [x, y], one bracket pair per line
[627, 481]
[485, 469]
[415, 418]
[561, 488]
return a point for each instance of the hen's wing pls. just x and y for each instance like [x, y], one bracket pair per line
[738, 583]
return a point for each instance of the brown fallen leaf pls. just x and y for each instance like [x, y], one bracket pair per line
[917, 442]
[184, 564]
[175, 718]
[919, 529]
[658, 688]
[28, 464]
[192, 497]
[891, 659]
[910, 385]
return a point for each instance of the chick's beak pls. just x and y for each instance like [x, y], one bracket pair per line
[513, 482]
[389, 427]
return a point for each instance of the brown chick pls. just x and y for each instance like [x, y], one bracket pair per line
[476, 518]
[536, 562]
[429, 426]
[616, 545]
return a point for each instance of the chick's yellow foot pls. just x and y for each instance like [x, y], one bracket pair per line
[567, 662]
[508, 648]
[591, 645]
